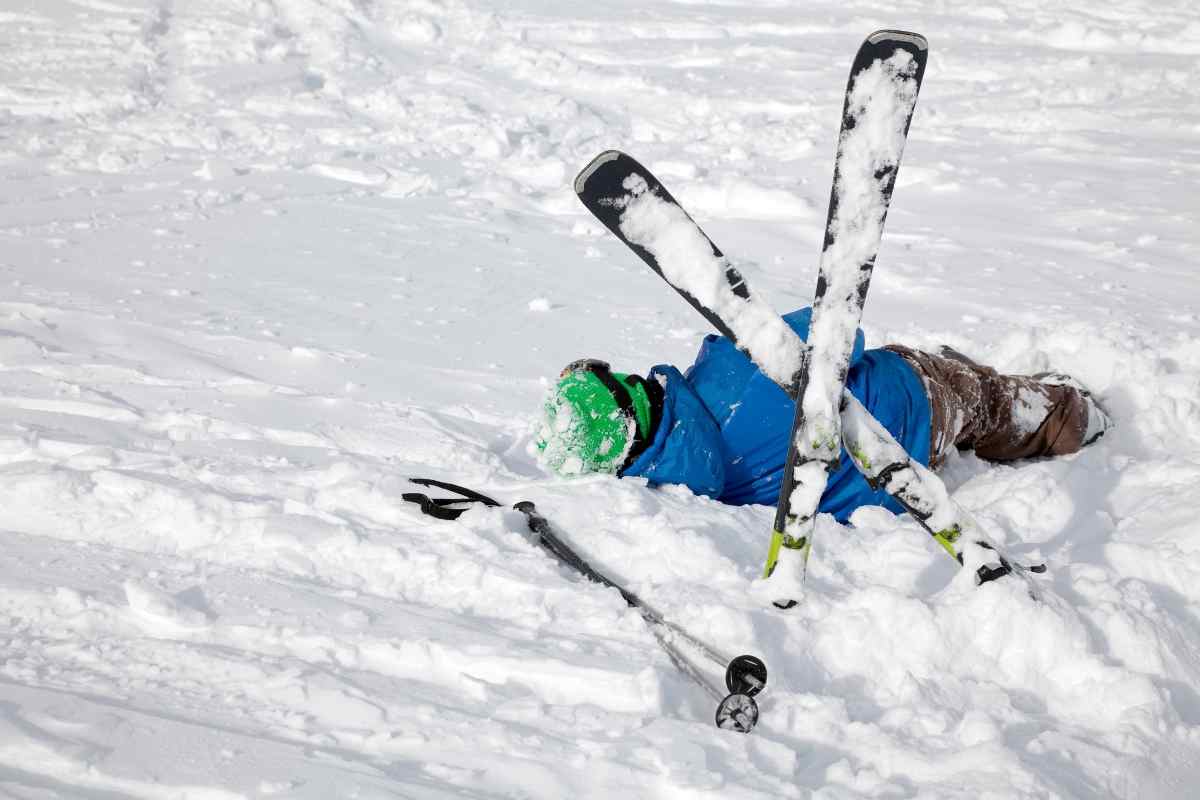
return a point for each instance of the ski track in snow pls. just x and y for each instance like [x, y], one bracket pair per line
[264, 259]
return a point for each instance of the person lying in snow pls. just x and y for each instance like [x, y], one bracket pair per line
[721, 428]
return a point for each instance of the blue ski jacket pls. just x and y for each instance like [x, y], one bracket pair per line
[725, 425]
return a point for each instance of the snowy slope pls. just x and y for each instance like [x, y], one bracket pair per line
[264, 259]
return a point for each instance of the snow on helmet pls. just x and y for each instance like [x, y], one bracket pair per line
[593, 420]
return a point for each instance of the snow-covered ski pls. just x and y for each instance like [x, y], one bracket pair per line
[886, 465]
[881, 95]
[635, 206]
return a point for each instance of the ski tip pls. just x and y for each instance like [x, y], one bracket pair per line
[596, 163]
[915, 39]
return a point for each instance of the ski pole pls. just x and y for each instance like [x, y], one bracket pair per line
[745, 675]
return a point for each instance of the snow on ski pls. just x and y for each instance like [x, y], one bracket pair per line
[633, 204]
[881, 95]
[886, 465]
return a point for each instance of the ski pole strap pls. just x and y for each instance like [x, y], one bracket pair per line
[436, 506]
[439, 507]
[470, 494]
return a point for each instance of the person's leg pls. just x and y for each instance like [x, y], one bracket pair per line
[1000, 417]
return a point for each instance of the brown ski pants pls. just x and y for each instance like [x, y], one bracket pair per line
[1000, 417]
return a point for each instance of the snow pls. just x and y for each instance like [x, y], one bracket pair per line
[263, 261]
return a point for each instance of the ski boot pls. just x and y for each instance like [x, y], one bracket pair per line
[1098, 420]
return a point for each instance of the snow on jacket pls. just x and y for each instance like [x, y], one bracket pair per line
[724, 428]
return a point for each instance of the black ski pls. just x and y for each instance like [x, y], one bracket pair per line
[631, 203]
[881, 95]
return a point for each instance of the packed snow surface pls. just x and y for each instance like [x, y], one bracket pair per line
[263, 260]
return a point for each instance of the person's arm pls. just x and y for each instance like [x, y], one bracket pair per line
[687, 448]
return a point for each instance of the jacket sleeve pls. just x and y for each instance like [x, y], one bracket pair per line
[687, 447]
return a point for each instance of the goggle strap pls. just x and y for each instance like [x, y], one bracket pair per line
[641, 441]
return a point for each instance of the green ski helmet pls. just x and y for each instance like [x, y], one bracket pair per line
[596, 420]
